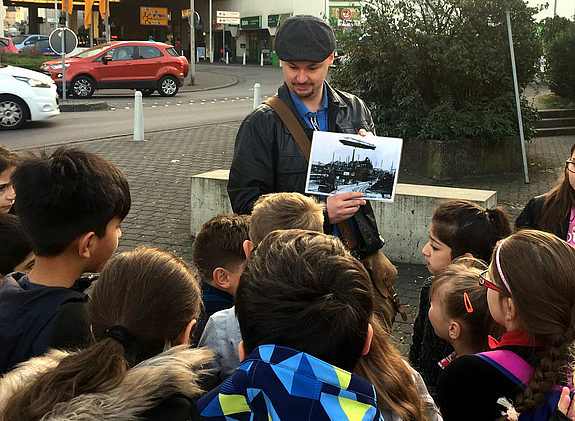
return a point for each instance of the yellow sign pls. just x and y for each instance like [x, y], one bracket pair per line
[155, 16]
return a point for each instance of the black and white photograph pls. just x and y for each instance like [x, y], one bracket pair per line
[341, 163]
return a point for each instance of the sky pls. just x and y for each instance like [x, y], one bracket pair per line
[565, 8]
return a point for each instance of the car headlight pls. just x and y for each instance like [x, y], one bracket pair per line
[35, 83]
[58, 66]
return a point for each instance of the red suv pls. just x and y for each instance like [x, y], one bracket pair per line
[142, 65]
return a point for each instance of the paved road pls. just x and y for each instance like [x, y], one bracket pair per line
[189, 108]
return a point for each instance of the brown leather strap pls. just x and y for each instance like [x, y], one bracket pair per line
[290, 120]
[291, 123]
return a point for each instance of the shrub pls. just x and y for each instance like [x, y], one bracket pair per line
[441, 68]
[560, 69]
[31, 51]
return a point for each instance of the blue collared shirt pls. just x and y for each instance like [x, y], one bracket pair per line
[316, 120]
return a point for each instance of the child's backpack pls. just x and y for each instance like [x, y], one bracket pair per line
[520, 372]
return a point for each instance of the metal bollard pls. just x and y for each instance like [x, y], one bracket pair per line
[244, 60]
[262, 59]
[257, 95]
[227, 58]
[138, 117]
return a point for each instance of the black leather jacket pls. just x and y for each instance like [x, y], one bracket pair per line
[267, 159]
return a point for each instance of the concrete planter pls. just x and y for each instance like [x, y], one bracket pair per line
[455, 159]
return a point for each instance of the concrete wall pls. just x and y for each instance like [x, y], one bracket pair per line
[403, 224]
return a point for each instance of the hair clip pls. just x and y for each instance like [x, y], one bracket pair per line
[467, 302]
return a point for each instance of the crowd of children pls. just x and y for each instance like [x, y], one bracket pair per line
[285, 317]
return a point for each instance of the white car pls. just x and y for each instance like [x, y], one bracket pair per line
[25, 95]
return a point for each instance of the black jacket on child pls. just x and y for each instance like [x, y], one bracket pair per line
[531, 216]
[35, 317]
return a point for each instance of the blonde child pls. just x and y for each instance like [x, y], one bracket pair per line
[458, 311]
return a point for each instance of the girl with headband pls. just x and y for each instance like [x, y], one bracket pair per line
[531, 293]
[142, 312]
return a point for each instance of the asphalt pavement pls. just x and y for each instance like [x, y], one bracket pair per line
[160, 168]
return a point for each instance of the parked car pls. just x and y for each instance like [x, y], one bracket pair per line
[21, 41]
[47, 51]
[25, 95]
[141, 65]
[7, 45]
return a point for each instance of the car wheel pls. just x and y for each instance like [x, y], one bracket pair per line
[168, 86]
[83, 87]
[13, 112]
[147, 91]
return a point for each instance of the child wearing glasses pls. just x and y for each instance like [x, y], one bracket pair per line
[458, 228]
[458, 311]
[531, 293]
[554, 211]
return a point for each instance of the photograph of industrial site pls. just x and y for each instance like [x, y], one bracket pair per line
[342, 163]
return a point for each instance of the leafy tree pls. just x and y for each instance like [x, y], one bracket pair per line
[560, 68]
[441, 68]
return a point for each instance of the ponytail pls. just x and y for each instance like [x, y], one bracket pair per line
[100, 368]
[391, 377]
[468, 228]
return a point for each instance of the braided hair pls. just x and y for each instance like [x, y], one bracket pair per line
[538, 268]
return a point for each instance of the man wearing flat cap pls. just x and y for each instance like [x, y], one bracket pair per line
[267, 158]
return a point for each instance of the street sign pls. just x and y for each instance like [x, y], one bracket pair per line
[154, 16]
[186, 15]
[225, 14]
[228, 21]
[70, 40]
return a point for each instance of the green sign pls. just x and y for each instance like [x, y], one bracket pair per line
[276, 20]
[251, 22]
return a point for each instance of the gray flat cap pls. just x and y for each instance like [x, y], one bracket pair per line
[304, 38]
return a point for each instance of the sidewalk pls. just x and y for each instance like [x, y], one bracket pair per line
[159, 171]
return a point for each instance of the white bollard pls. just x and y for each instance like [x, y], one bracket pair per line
[257, 95]
[262, 59]
[227, 58]
[244, 60]
[280, 64]
[197, 56]
[138, 117]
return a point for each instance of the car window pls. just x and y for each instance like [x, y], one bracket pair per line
[44, 43]
[90, 52]
[172, 52]
[149, 52]
[32, 40]
[4, 42]
[18, 39]
[122, 53]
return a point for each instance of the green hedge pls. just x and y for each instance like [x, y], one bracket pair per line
[22, 60]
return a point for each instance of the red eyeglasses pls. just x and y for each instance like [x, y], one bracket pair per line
[483, 281]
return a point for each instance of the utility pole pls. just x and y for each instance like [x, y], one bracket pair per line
[192, 44]
[211, 46]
